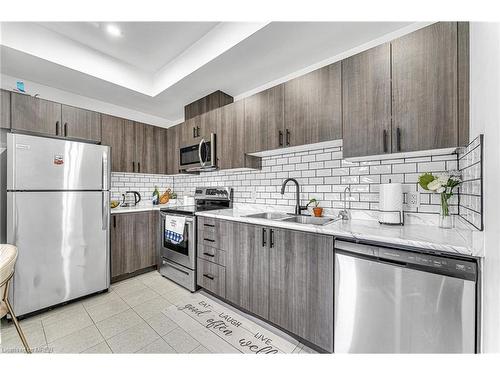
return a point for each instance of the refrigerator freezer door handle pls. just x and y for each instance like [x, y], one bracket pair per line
[105, 171]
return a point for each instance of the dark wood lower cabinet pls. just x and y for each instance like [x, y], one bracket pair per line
[133, 242]
[301, 285]
[247, 268]
[283, 276]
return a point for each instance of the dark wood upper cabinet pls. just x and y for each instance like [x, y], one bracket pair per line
[144, 150]
[231, 136]
[463, 83]
[313, 107]
[35, 115]
[191, 132]
[301, 285]
[119, 134]
[424, 86]
[160, 147]
[366, 102]
[212, 101]
[173, 144]
[5, 109]
[81, 123]
[264, 126]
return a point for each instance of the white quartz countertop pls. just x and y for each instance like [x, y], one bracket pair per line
[426, 237]
[143, 207]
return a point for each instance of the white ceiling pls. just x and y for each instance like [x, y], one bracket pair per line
[145, 45]
[233, 57]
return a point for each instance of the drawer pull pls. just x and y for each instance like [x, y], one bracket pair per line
[209, 225]
[209, 255]
[208, 276]
[208, 239]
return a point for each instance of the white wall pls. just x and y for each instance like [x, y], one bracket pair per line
[50, 93]
[485, 118]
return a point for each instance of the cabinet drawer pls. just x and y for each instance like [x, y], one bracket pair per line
[212, 277]
[215, 233]
[212, 254]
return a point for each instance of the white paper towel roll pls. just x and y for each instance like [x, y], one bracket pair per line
[391, 203]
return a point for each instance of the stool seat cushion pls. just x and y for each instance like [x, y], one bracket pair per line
[8, 257]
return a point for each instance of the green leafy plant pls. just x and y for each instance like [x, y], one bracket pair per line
[313, 201]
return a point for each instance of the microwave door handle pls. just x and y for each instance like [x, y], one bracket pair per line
[202, 144]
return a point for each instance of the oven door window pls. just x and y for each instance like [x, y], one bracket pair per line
[181, 247]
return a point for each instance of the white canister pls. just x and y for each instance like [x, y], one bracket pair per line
[391, 204]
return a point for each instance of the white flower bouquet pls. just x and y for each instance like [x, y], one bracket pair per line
[442, 184]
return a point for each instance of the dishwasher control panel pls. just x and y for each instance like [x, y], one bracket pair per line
[464, 269]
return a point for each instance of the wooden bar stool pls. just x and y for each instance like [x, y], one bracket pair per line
[8, 257]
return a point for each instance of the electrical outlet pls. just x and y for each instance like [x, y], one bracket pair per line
[413, 199]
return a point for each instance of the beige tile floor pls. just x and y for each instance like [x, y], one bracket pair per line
[127, 319]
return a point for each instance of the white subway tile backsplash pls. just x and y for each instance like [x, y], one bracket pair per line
[322, 174]
[380, 169]
[432, 166]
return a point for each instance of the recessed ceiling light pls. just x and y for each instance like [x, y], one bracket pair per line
[113, 30]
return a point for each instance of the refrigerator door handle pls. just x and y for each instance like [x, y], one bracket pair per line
[105, 210]
[105, 171]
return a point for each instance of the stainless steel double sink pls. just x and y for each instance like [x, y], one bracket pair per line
[300, 219]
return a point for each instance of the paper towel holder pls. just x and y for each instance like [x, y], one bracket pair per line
[401, 218]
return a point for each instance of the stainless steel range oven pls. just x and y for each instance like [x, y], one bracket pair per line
[178, 260]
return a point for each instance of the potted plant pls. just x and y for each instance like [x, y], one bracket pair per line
[317, 211]
[442, 184]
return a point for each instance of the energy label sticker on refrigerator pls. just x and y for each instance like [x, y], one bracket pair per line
[58, 160]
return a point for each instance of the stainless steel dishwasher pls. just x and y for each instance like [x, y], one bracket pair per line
[399, 301]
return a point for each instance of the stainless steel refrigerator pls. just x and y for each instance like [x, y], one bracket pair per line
[58, 217]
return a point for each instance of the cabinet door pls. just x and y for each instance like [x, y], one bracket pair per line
[231, 137]
[313, 107]
[143, 255]
[122, 244]
[35, 115]
[145, 158]
[424, 81]
[301, 285]
[119, 134]
[264, 120]
[247, 268]
[5, 109]
[190, 130]
[81, 123]
[209, 123]
[173, 145]
[160, 150]
[366, 101]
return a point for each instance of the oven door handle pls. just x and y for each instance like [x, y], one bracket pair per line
[202, 144]
[188, 219]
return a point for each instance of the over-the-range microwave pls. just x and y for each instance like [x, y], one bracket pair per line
[199, 157]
